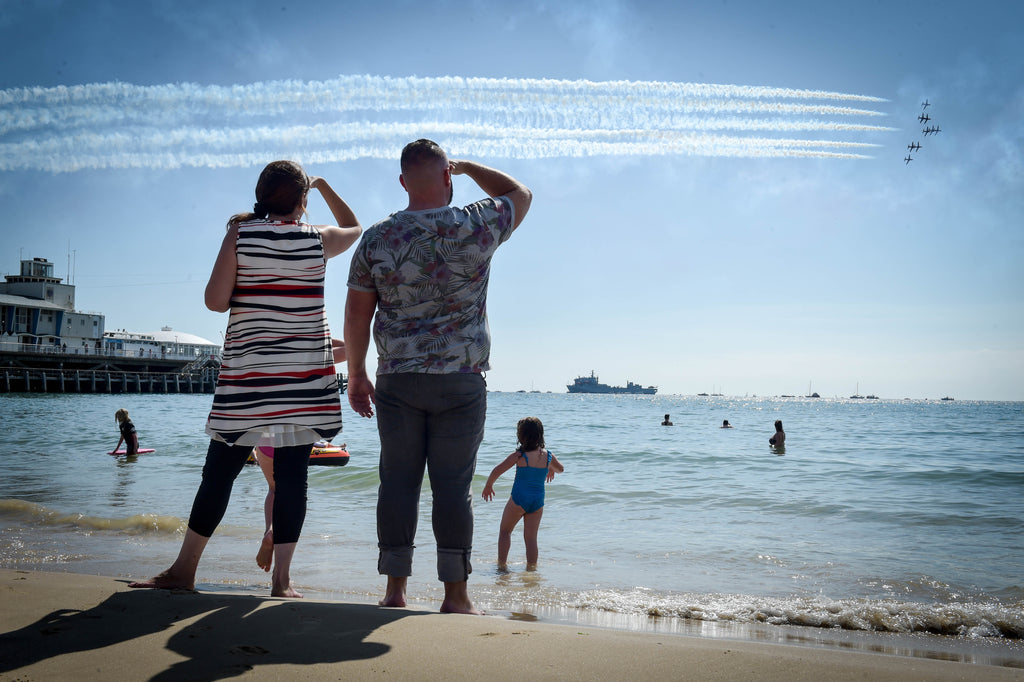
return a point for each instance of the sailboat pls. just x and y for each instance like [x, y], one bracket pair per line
[857, 395]
[809, 393]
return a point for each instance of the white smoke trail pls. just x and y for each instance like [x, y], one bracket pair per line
[118, 125]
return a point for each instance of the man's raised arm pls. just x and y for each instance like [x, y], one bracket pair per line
[496, 184]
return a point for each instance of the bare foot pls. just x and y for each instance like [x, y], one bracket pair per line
[456, 600]
[394, 594]
[288, 591]
[166, 581]
[460, 607]
[265, 557]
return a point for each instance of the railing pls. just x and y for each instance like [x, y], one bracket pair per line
[79, 350]
[199, 363]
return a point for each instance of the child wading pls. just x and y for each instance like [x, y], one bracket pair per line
[534, 466]
[129, 436]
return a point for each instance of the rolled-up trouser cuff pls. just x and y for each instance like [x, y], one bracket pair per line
[453, 565]
[395, 561]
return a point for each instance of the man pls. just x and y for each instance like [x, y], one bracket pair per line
[424, 271]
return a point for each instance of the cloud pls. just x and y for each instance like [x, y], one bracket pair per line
[119, 125]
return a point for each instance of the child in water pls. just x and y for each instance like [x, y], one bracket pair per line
[779, 439]
[128, 434]
[534, 466]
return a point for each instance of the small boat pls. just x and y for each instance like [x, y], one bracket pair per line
[322, 454]
[329, 455]
[947, 398]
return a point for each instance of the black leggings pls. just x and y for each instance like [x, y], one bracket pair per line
[223, 462]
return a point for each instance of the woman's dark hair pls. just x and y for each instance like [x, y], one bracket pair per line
[778, 424]
[530, 433]
[281, 187]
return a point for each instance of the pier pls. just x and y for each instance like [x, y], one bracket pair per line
[28, 371]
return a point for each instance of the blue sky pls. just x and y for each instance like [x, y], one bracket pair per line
[663, 247]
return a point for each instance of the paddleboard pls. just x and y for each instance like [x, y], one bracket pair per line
[140, 451]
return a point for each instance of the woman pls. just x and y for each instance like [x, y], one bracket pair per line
[277, 382]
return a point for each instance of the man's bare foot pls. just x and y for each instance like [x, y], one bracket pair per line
[166, 581]
[287, 591]
[265, 557]
[394, 594]
[456, 600]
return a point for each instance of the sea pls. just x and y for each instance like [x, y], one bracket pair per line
[889, 526]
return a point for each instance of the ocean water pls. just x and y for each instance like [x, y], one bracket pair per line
[893, 526]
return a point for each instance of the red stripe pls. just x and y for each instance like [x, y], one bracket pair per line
[326, 371]
[279, 413]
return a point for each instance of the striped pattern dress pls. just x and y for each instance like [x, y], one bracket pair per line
[277, 379]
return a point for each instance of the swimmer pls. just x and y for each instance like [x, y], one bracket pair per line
[726, 424]
[779, 439]
[667, 422]
[534, 466]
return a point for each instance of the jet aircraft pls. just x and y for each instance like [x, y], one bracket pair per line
[924, 118]
[908, 159]
[931, 129]
[913, 147]
[925, 104]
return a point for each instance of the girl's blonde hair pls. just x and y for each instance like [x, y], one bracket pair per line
[121, 415]
[530, 433]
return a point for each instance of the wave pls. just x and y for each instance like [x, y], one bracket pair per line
[971, 619]
[138, 523]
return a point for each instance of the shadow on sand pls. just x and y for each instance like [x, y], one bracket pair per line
[225, 636]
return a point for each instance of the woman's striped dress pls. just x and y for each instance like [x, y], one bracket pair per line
[278, 377]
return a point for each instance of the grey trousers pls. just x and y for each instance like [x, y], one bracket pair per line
[433, 422]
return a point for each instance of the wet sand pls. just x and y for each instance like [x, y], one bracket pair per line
[68, 626]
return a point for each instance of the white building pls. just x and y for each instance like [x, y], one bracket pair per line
[37, 315]
[166, 343]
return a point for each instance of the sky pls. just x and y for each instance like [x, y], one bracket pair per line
[721, 198]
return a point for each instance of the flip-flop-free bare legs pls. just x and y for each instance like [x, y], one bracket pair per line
[182, 573]
[394, 593]
[265, 555]
[509, 518]
[282, 583]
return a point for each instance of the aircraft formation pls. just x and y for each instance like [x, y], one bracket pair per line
[924, 119]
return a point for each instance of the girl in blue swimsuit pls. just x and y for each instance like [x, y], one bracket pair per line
[534, 466]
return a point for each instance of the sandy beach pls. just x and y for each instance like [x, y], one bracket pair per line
[69, 626]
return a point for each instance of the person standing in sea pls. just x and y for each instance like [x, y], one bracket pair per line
[277, 385]
[424, 272]
[129, 436]
[778, 441]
